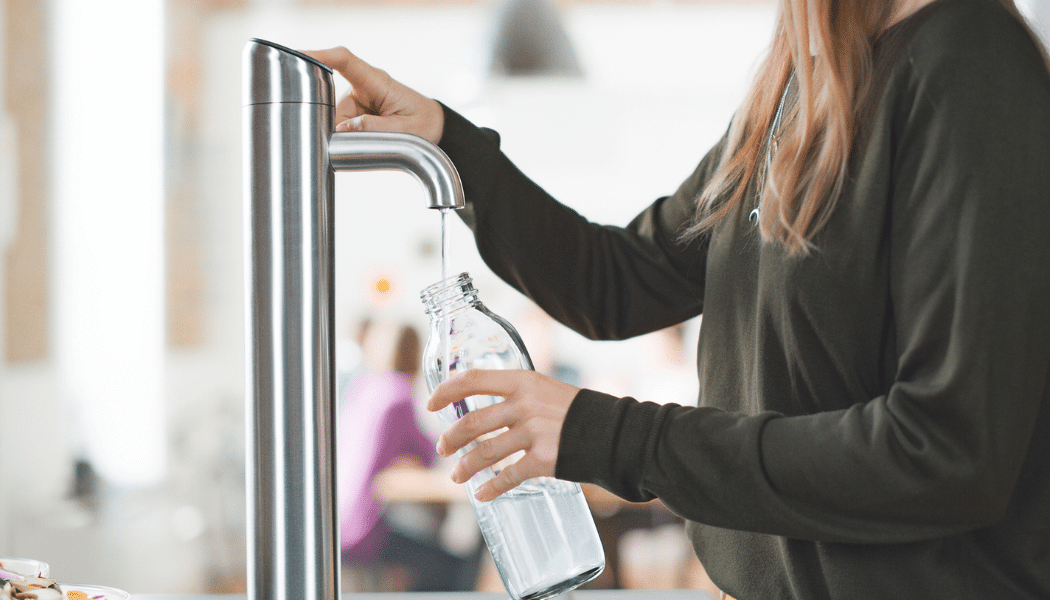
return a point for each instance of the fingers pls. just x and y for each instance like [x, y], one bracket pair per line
[487, 453]
[508, 479]
[475, 382]
[344, 62]
[369, 86]
[530, 418]
[473, 425]
[377, 102]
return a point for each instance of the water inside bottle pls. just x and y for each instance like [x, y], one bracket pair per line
[530, 532]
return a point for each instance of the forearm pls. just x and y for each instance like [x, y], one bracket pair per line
[604, 282]
[852, 476]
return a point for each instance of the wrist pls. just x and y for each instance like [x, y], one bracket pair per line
[434, 121]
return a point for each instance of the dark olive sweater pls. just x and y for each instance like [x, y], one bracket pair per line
[874, 418]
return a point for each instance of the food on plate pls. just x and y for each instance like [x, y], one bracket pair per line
[28, 587]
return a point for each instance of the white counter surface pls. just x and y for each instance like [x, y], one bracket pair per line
[576, 595]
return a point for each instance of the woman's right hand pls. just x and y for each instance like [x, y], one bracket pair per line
[376, 102]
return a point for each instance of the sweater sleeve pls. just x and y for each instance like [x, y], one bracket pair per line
[940, 453]
[604, 282]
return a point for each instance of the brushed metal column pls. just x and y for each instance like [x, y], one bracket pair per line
[290, 155]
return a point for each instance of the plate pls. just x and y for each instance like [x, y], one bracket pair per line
[26, 567]
[75, 591]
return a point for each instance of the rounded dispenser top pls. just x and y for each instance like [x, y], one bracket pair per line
[275, 74]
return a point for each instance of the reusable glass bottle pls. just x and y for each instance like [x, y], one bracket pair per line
[541, 534]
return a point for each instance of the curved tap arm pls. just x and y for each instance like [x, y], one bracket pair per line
[371, 151]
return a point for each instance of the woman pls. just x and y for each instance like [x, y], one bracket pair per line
[869, 246]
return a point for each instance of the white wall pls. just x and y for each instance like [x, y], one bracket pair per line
[1038, 14]
[27, 392]
[661, 83]
[107, 231]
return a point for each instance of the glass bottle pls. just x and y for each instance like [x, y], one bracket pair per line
[541, 534]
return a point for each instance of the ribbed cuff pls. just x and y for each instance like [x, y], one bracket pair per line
[608, 441]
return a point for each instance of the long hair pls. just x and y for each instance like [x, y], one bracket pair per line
[807, 172]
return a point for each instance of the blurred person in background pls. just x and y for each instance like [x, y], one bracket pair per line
[868, 246]
[378, 429]
[349, 357]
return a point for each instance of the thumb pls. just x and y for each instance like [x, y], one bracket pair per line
[368, 122]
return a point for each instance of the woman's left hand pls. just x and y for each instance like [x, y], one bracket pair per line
[533, 412]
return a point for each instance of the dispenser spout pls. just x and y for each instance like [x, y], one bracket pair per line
[370, 151]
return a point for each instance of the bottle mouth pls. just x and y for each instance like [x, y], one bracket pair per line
[448, 292]
[434, 288]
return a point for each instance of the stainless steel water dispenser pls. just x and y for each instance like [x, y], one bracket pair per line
[291, 154]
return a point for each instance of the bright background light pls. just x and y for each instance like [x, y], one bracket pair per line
[108, 261]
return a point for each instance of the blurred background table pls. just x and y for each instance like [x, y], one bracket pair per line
[645, 545]
[575, 595]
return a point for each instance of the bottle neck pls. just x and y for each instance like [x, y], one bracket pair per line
[445, 297]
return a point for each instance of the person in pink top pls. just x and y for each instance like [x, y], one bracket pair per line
[378, 428]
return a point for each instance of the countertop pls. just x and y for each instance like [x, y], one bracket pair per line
[575, 595]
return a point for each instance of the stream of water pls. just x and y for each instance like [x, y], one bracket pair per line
[446, 268]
